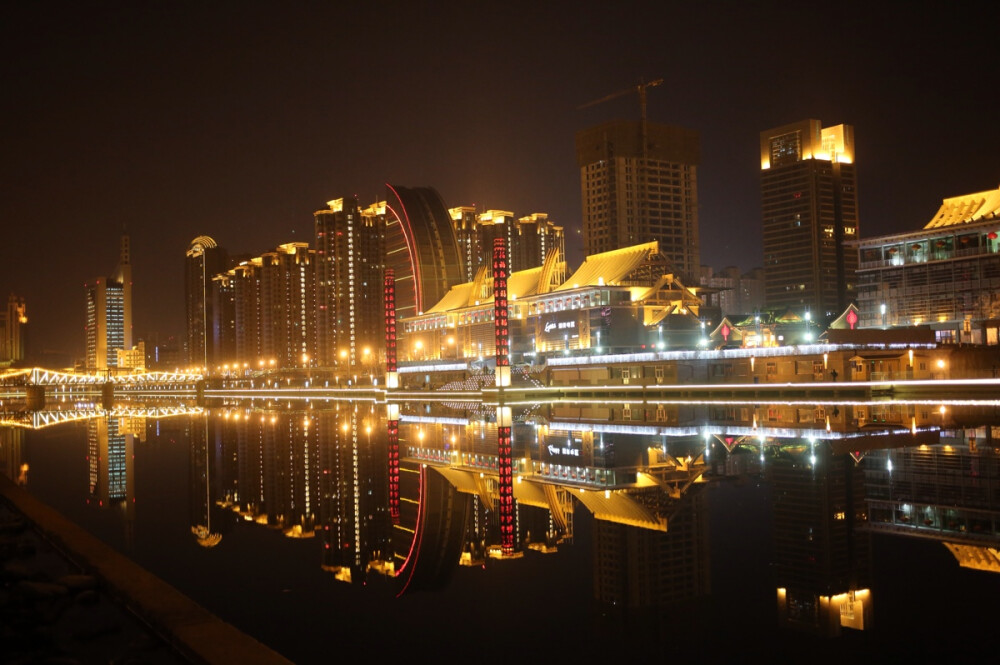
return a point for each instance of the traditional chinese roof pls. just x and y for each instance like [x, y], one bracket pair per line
[967, 209]
[520, 284]
[610, 268]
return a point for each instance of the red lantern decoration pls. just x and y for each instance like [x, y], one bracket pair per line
[852, 318]
[992, 235]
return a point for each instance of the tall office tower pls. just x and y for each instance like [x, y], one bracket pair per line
[809, 204]
[13, 330]
[204, 259]
[640, 183]
[109, 314]
[420, 247]
[349, 263]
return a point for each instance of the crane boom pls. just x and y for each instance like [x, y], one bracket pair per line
[639, 89]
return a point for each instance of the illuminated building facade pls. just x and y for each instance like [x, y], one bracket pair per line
[639, 183]
[13, 330]
[274, 307]
[529, 239]
[946, 275]
[288, 305]
[203, 260]
[350, 247]
[809, 205]
[420, 247]
[109, 314]
[624, 299]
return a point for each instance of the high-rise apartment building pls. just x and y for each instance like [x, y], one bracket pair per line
[350, 245]
[809, 205]
[639, 182]
[536, 236]
[272, 301]
[529, 239]
[109, 314]
[288, 305]
[204, 259]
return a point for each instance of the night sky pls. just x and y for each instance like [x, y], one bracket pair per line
[240, 119]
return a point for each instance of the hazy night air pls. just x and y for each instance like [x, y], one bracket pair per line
[238, 121]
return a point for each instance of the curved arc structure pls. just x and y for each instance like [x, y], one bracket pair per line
[407, 231]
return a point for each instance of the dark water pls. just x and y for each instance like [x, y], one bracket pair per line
[287, 498]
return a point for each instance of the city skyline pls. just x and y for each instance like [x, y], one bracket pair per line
[186, 121]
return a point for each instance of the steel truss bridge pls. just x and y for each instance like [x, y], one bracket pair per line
[38, 376]
[42, 419]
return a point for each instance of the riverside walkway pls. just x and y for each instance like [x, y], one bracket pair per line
[71, 598]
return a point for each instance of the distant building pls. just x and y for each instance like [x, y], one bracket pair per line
[133, 359]
[809, 206]
[733, 291]
[639, 182]
[204, 259]
[13, 331]
[109, 314]
[946, 275]
[350, 250]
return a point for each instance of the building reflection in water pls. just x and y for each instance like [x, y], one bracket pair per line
[836, 475]
[111, 466]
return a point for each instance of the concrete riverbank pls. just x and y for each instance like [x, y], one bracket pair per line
[67, 595]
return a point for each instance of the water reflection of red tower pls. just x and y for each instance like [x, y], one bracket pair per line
[392, 416]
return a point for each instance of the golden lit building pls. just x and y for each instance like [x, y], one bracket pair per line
[529, 238]
[109, 314]
[946, 275]
[274, 301]
[809, 207]
[618, 300]
[350, 249]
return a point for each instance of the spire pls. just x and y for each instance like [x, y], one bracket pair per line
[123, 258]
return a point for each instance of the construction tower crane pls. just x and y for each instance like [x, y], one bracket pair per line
[640, 89]
[641, 221]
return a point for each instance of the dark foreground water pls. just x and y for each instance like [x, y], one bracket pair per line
[259, 512]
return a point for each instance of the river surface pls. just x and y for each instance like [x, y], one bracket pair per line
[719, 532]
